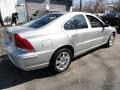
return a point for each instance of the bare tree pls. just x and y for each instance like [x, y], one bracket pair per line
[88, 6]
[99, 6]
[117, 6]
[95, 6]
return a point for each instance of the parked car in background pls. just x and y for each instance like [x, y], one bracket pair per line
[54, 39]
[112, 18]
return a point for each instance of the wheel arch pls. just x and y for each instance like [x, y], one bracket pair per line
[65, 46]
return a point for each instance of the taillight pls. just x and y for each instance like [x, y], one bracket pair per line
[23, 43]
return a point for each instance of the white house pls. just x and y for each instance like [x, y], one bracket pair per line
[26, 8]
[7, 7]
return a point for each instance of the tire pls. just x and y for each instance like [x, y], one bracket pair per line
[61, 60]
[111, 40]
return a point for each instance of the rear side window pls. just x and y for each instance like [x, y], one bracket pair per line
[94, 22]
[76, 22]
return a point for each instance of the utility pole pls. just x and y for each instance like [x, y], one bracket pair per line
[112, 2]
[48, 5]
[1, 20]
[80, 5]
[26, 7]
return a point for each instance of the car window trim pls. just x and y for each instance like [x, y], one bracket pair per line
[74, 29]
[96, 19]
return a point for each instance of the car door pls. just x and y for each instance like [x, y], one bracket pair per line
[98, 29]
[78, 32]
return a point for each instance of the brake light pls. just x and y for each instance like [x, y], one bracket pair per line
[23, 43]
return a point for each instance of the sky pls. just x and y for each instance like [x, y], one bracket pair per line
[77, 1]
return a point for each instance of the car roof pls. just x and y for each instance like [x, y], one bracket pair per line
[83, 13]
[70, 13]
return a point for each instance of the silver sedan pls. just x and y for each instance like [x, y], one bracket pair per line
[54, 39]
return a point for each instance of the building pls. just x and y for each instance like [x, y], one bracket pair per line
[7, 7]
[28, 9]
[41, 7]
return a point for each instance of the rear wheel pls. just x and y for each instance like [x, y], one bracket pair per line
[61, 60]
[111, 40]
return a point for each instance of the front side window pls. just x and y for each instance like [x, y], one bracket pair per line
[76, 22]
[94, 22]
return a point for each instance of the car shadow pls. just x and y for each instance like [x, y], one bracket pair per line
[11, 76]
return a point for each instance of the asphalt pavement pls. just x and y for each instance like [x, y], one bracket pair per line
[99, 69]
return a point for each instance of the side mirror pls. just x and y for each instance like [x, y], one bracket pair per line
[106, 24]
[34, 14]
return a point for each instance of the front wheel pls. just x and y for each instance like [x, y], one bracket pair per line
[61, 60]
[111, 40]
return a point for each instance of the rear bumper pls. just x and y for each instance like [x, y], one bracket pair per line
[30, 61]
[21, 63]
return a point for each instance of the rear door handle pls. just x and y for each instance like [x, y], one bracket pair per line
[74, 35]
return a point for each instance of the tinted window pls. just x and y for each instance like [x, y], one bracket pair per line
[42, 21]
[94, 21]
[76, 22]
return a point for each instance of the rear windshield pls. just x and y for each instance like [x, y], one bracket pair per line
[42, 21]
